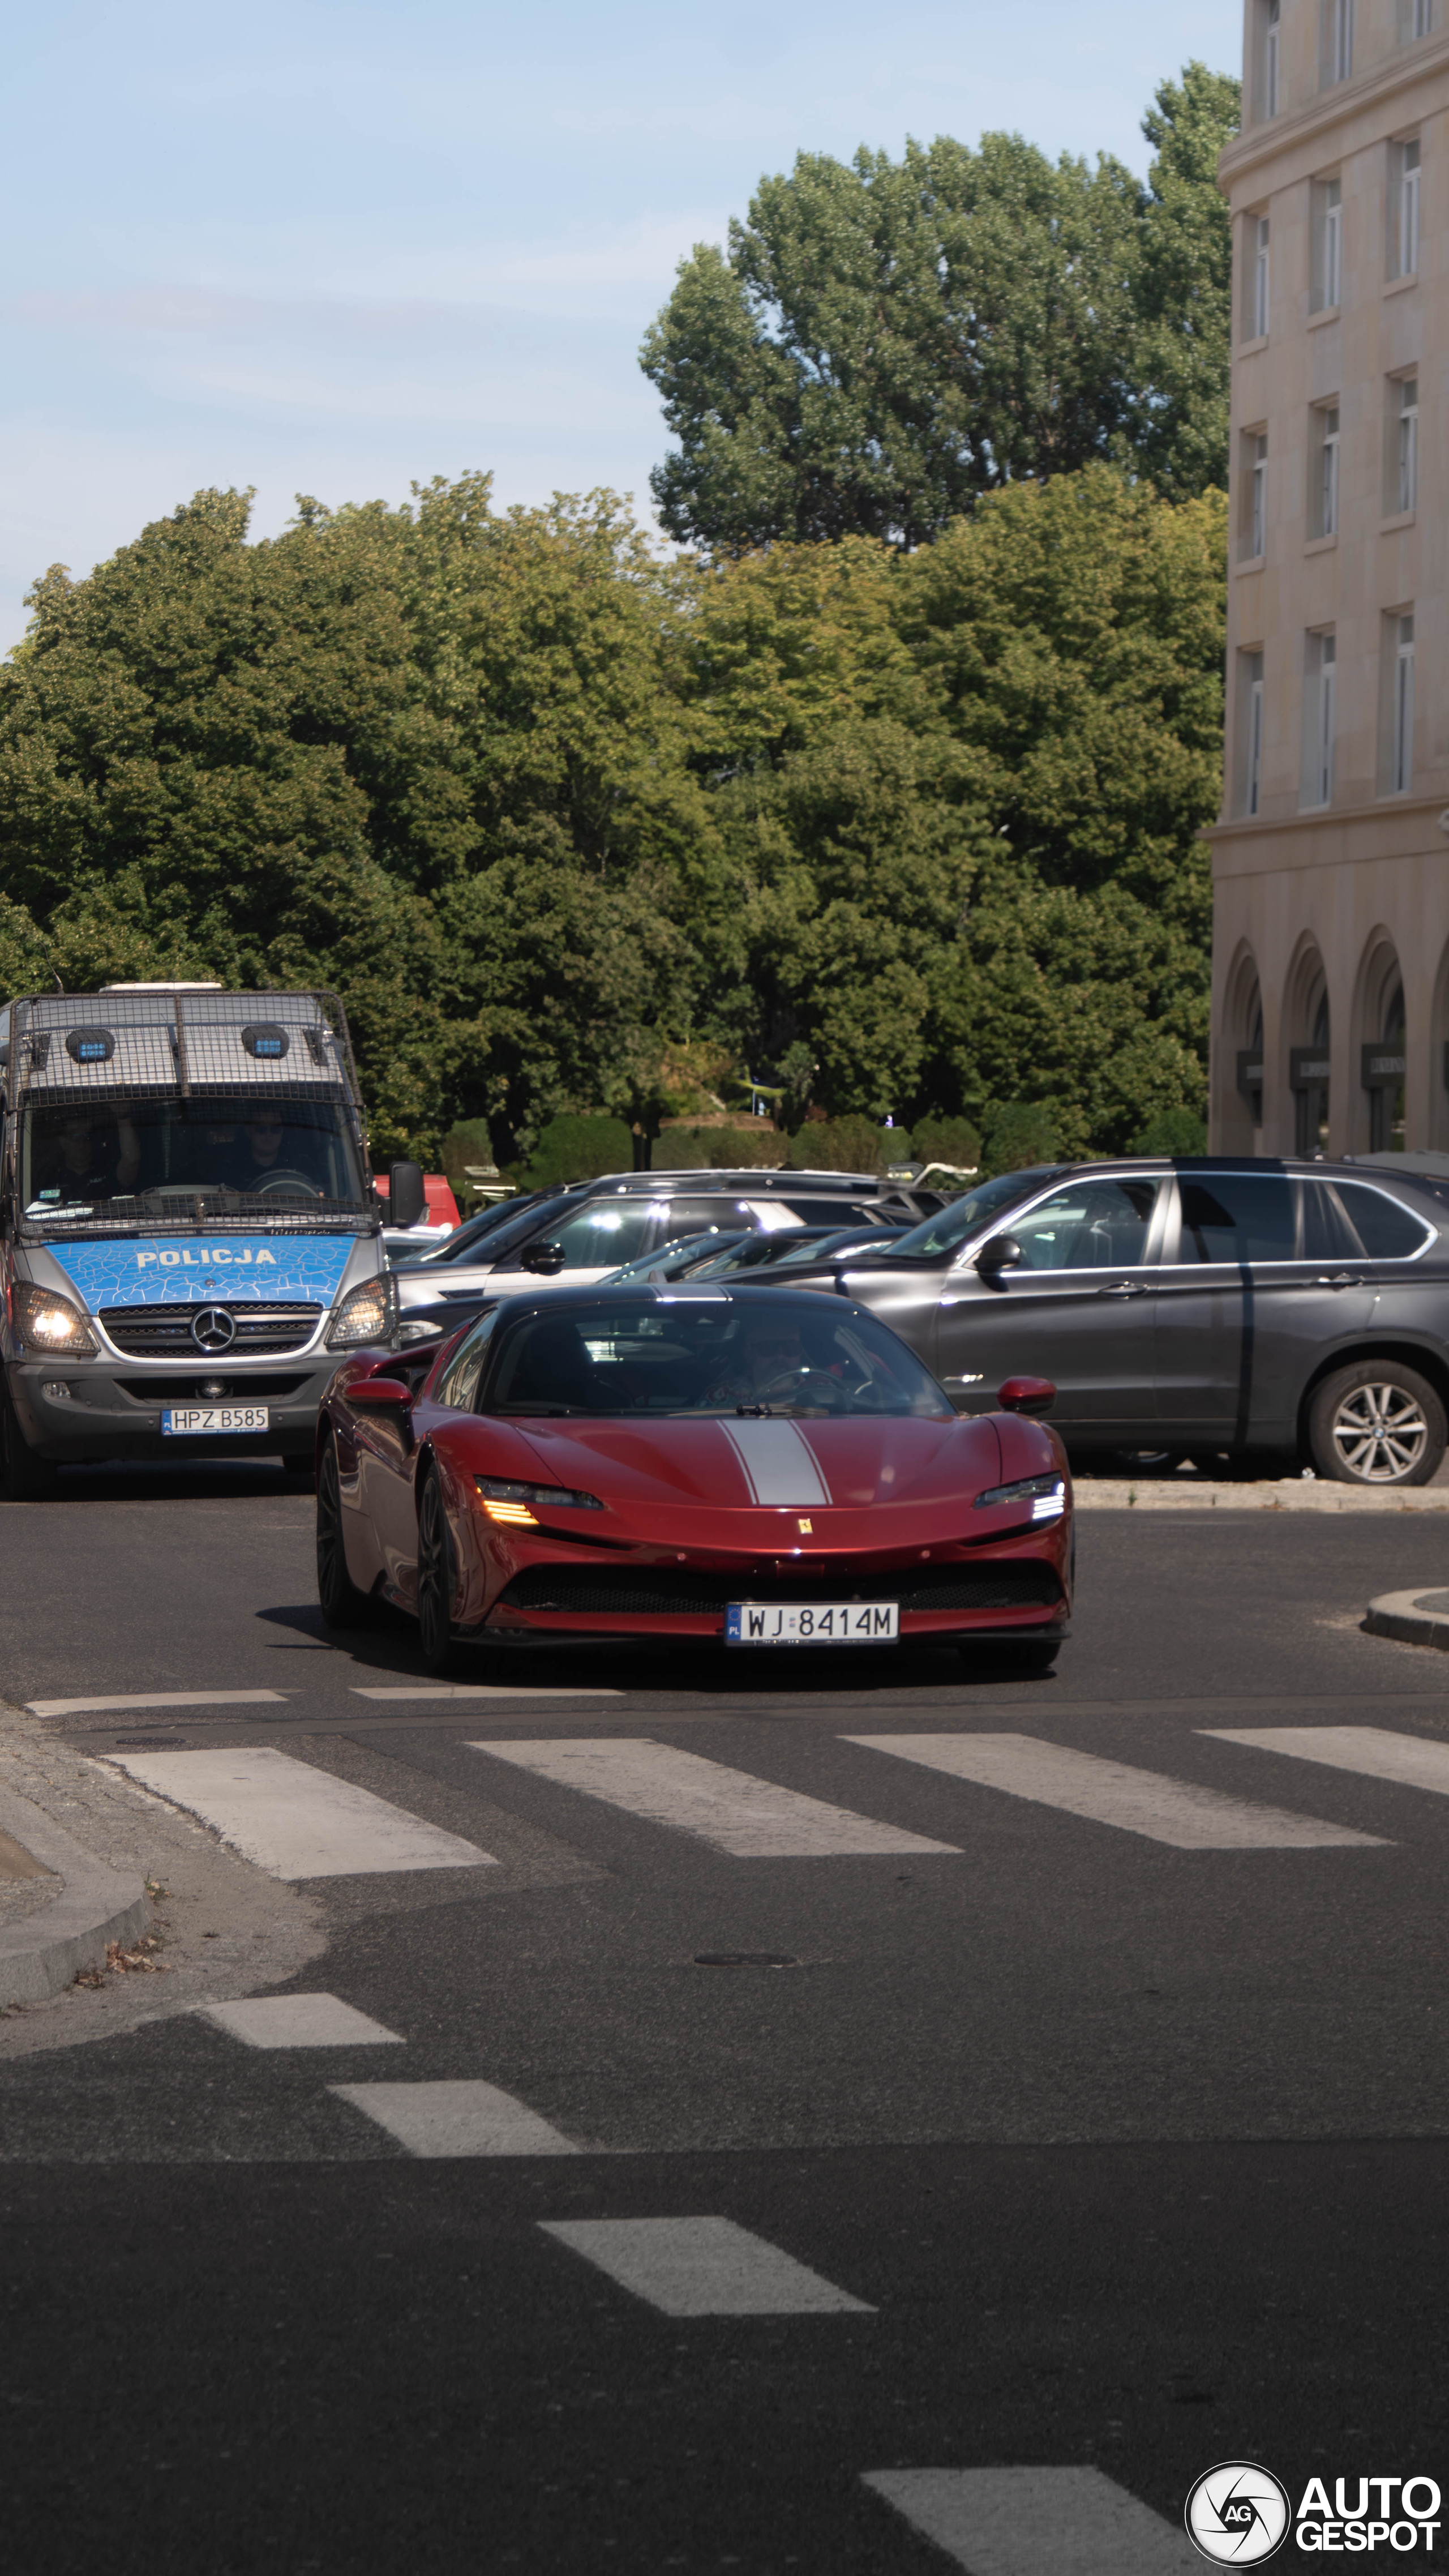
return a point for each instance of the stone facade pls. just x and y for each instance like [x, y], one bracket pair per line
[1331, 864]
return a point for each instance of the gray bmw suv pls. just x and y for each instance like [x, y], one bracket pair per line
[1198, 1306]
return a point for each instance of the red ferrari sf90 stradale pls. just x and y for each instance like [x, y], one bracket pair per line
[730, 1466]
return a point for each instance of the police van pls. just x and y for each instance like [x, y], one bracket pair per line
[190, 1238]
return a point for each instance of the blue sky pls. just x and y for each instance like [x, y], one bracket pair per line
[338, 249]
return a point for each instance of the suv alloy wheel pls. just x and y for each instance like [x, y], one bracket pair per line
[1377, 1423]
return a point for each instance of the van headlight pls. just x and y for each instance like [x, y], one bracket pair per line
[367, 1315]
[49, 1322]
[1047, 1496]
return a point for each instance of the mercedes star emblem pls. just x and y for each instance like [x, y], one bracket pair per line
[213, 1329]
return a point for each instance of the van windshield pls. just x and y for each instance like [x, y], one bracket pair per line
[113, 1159]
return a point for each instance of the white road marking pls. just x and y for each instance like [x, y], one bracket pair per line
[752, 1819]
[1115, 1793]
[1017, 2522]
[469, 1690]
[155, 1699]
[456, 2119]
[703, 2267]
[296, 1821]
[1375, 1752]
[780, 1465]
[301, 2021]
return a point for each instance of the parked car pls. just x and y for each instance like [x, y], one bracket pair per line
[581, 1234]
[737, 1467]
[1206, 1305]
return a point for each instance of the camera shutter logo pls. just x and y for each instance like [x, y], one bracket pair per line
[1238, 2514]
[213, 1329]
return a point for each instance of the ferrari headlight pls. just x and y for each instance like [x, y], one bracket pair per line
[366, 1315]
[511, 1503]
[1047, 1496]
[49, 1322]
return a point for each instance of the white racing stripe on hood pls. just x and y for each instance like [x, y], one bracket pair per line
[780, 1465]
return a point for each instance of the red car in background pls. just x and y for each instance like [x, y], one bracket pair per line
[734, 1467]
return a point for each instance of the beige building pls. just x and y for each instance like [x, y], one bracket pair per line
[1331, 863]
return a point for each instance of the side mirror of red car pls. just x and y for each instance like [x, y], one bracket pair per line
[1027, 1395]
[388, 1391]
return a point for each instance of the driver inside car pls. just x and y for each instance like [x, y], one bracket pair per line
[261, 1149]
[770, 1363]
[93, 1159]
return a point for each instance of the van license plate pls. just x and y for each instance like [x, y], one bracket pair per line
[180, 1422]
[812, 1623]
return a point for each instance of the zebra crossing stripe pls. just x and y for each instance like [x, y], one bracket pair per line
[1115, 1793]
[702, 2267]
[456, 2119]
[1018, 2522]
[1375, 1752]
[751, 1819]
[300, 2021]
[294, 1820]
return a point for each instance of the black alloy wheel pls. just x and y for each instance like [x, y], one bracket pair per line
[344, 1605]
[1377, 1423]
[25, 1477]
[435, 1578]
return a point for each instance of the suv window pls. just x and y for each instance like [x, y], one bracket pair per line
[1327, 1234]
[1387, 1229]
[1099, 1225]
[604, 1234]
[1238, 1216]
[699, 1215]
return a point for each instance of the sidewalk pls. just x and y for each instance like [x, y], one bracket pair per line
[90, 1863]
[1119, 1489]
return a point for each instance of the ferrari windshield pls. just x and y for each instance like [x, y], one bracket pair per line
[748, 1354]
[117, 1158]
[942, 1233]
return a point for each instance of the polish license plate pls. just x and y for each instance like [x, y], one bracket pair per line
[812, 1623]
[185, 1421]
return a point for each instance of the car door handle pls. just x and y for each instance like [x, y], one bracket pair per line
[1123, 1288]
[1343, 1279]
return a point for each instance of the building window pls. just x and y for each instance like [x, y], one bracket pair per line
[1253, 526]
[1337, 53]
[1272, 30]
[1404, 177]
[1323, 510]
[1327, 287]
[1416, 18]
[1256, 298]
[1407, 479]
[1252, 671]
[1320, 708]
[1399, 674]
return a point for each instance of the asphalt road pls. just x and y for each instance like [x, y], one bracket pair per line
[1097, 2120]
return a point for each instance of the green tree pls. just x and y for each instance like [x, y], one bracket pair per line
[883, 342]
[887, 340]
[1184, 287]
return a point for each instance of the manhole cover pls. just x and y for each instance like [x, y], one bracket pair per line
[744, 1959]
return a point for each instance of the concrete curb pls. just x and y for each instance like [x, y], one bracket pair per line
[1292, 1494]
[93, 1905]
[1400, 1615]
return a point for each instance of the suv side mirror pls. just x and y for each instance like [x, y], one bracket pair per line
[407, 1200]
[1027, 1395]
[545, 1258]
[1003, 1252]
